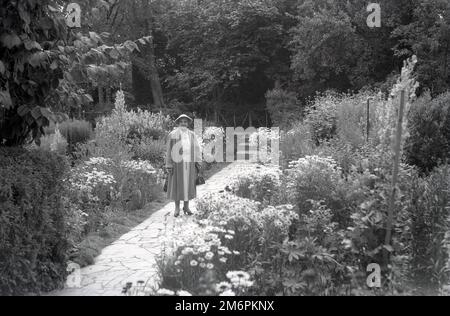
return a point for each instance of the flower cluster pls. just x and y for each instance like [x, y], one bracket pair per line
[314, 162]
[239, 283]
[200, 245]
[259, 183]
[95, 161]
[139, 166]
[253, 226]
[85, 179]
[211, 133]
[223, 208]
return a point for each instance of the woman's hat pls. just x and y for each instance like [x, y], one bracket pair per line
[183, 116]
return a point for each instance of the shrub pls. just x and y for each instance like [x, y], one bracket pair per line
[75, 132]
[247, 219]
[429, 125]
[315, 178]
[33, 232]
[322, 117]
[54, 143]
[258, 183]
[429, 213]
[296, 143]
[228, 233]
[352, 118]
[151, 150]
[102, 184]
[143, 132]
[123, 125]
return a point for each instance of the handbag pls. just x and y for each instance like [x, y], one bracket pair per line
[166, 185]
[200, 180]
[166, 181]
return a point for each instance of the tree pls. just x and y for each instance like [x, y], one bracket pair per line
[30, 66]
[134, 20]
[43, 62]
[427, 35]
[225, 55]
[333, 48]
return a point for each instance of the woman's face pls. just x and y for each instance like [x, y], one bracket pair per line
[184, 123]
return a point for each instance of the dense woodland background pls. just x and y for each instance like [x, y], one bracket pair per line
[220, 58]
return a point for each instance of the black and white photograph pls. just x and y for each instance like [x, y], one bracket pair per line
[224, 154]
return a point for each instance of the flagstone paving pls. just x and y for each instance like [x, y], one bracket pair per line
[132, 258]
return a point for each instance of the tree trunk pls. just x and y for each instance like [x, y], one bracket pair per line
[155, 82]
[108, 96]
[157, 92]
[101, 99]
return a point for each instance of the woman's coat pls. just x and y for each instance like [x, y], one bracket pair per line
[181, 184]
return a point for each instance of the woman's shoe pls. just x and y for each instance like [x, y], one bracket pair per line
[188, 212]
[177, 213]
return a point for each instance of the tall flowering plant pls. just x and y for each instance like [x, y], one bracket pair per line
[387, 111]
[142, 133]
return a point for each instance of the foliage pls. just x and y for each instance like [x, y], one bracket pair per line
[33, 231]
[255, 229]
[387, 113]
[54, 142]
[100, 185]
[227, 233]
[429, 141]
[296, 143]
[197, 251]
[259, 183]
[76, 132]
[264, 146]
[31, 31]
[54, 61]
[244, 50]
[142, 131]
[352, 118]
[332, 47]
[314, 178]
[283, 107]
[322, 117]
[429, 214]
[427, 36]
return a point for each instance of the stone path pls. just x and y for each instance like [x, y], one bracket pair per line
[132, 258]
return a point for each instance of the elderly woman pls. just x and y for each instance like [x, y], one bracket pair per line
[182, 164]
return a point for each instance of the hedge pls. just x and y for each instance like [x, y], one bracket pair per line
[33, 235]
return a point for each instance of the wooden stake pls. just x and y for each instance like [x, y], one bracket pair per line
[397, 153]
[368, 119]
